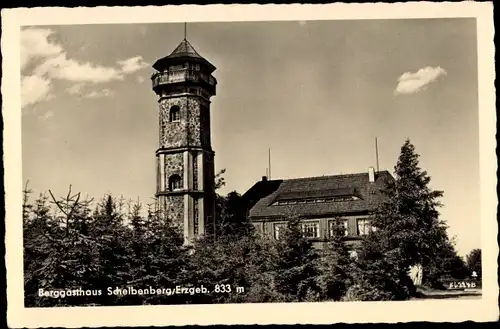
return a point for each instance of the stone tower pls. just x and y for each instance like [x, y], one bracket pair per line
[185, 159]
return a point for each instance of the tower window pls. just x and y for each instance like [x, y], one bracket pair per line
[175, 113]
[174, 183]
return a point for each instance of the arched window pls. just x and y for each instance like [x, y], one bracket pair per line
[175, 113]
[174, 183]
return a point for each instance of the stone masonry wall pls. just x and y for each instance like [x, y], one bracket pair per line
[193, 122]
[188, 129]
[172, 134]
[173, 208]
[174, 165]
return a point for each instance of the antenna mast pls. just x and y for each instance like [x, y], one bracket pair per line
[269, 164]
[185, 31]
[376, 153]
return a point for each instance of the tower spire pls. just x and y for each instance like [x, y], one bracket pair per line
[185, 31]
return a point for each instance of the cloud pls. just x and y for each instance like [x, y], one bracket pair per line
[140, 79]
[410, 83]
[99, 94]
[35, 44]
[34, 89]
[62, 68]
[47, 61]
[133, 64]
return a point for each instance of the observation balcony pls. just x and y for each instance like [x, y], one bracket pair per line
[183, 76]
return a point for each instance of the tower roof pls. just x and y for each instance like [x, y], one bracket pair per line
[184, 51]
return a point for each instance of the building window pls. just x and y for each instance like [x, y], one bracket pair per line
[364, 226]
[175, 113]
[331, 227]
[310, 229]
[278, 230]
[174, 183]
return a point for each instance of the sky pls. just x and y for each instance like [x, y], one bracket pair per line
[316, 93]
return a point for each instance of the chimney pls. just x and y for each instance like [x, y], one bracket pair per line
[264, 178]
[371, 175]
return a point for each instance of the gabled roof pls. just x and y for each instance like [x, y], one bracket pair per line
[184, 51]
[368, 195]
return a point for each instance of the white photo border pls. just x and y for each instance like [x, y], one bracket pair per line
[483, 309]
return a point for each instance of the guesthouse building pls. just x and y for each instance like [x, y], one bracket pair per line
[318, 202]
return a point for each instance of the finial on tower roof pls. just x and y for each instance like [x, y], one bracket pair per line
[185, 31]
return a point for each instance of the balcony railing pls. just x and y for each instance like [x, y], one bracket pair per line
[169, 77]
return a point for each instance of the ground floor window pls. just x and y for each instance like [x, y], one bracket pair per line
[364, 226]
[331, 227]
[278, 230]
[311, 229]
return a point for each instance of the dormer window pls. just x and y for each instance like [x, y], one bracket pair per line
[175, 114]
[174, 183]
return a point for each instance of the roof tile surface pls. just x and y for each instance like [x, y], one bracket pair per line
[323, 186]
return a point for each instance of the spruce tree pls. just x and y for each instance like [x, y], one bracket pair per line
[296, 265]
[378, 273]
[109, 233]
[336, 264]
[163, 262]
[41, 252]
[408, 228]
[232, 217]
[410, 219]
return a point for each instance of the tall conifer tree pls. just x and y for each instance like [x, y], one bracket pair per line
[408, 228]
